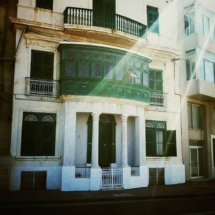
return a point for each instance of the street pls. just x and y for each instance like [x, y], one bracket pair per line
[192, 205]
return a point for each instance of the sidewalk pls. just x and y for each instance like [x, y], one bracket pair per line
[189, 189]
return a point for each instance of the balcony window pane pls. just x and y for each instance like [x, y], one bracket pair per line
[109, 71]
[146, 79]
[201, 70]
[138, 79]
[120, 73]
[192, 25]
[70, 67]
[96, 70]
[83, 69]
[209, 71]
[206, 26]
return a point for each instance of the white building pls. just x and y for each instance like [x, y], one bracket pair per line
[96, 95]
[197, 66]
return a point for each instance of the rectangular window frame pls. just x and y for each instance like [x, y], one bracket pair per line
[153, 19]
[192, 116]
[169, 142]
[189, 23]
[42, 145]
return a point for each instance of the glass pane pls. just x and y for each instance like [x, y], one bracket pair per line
[189, 116]
[192, 23]
[138, 80]
[186, 25]
[206, 25]
[188, 69]
[96, 70]
[83, 69]
[145, 79]
[120, 73]
[159, 143]
[97, 56]
[70, 68]
[196, 117]
[209, 71]
[84, 55]
[108, 58]
[201, 70]
[194, 163]
[109, 71]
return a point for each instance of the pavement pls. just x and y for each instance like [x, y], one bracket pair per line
[188, 189]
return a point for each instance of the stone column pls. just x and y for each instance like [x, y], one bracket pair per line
[95, 141]
[124, 161]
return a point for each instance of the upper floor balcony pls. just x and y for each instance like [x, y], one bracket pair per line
[103, 19]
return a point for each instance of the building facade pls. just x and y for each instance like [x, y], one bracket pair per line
[97, 98]
[197, 45]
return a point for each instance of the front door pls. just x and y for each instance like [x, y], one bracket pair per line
[196, 162]
[104, 13]
[107, 138]
[106, 149]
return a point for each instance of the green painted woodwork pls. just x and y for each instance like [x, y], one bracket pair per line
[101, 71]
[107, 140]
[38, 134]
[42, 65]
[153, 19]
[166, 144]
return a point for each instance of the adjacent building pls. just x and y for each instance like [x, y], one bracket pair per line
[112, 94]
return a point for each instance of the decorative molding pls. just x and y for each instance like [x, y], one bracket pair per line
[42, 44]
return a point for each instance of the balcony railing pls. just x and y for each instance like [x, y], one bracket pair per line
[157, 99]
[135, 171]
[41, 87]
[82, 172]
[88, 17]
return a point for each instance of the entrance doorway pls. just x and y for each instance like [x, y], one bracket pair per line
[107, 138]
[196, 162]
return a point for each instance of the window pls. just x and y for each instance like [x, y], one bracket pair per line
[156, 80]
[31, 180]
[207, 70]
[190, 65]
[189, 24]
[45, 4]
[38, 134]
[153, 19]
[194, 116]
[42, 65]
[159, 141]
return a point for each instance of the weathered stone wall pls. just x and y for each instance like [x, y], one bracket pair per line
[7, 51]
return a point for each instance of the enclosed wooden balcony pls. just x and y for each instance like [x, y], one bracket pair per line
[104, 19]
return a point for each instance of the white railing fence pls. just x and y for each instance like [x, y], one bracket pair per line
[135, 171]
[82, 172]
[41, 87]
[112, 178]
[157, 99]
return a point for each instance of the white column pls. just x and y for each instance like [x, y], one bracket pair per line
[95, 141]
[124, 161]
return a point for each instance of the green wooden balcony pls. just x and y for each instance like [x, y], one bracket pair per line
[114, 89]
[88, 17]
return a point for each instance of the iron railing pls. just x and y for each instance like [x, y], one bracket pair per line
[88, 17]
[112, 178]
[82, 172]
[157, 99]
[135, 171]
[41, 87]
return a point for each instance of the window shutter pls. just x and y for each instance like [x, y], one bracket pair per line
[150, 142]
[47, 140]
[29, 138]
[170, 147]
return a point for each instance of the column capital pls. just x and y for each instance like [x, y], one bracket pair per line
[95, 115]
[124, 117]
